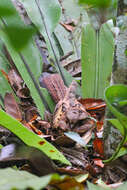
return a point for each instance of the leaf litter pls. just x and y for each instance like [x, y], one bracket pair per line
[81, 119]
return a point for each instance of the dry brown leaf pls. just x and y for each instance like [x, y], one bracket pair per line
[12, 107]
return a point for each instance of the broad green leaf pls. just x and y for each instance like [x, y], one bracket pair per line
[20, 180]
[113, 95]
[121, 152]
[105, 59]
[117, 124]
[14, 27]
[88, 61]
[97, 52]
[6, 9]
[96, 3]
[31, 139]
[13, 32]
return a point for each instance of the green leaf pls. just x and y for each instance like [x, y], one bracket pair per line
[4, 65]
[113, 95]
[91, 186]
[50, 101]
[122, 187]
[96, 62]
[14, 27]
[13, 32]
[88, 61]
[51, 11]
[19, 180]
[121, 152]
[22, 70]
[51, 15]
[31, 139]
[6, 9]
[117, 124]
[4, 87]
[96, 3]
[31, 55]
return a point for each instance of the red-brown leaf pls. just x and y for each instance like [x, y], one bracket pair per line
[92, 103]
[98, 146]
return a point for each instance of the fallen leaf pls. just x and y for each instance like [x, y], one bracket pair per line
[92, 103]
[15, 80]
[12, 107]
[98, 146]
[68, 27]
